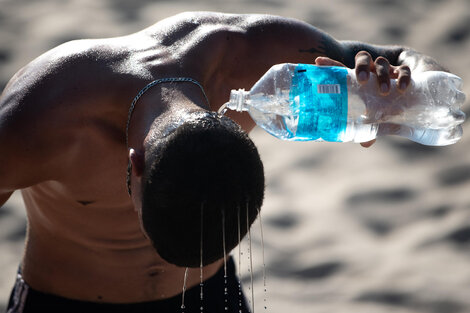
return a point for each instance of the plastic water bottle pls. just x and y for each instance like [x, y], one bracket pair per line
[326, 103]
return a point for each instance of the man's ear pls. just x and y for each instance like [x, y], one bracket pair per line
[138, 161]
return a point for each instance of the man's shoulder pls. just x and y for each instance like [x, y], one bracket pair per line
[61, 77]
[41, 111]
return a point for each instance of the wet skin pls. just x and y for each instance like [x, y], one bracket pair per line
[62, 137]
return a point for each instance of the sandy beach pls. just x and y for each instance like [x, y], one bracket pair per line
[346, 229]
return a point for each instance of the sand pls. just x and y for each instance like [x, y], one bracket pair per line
[346, 229]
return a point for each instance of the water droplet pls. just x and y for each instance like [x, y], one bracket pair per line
[264, 263]
[250, 270]
[222, 110]
[184, 288]
[240, 253]
[225, 259]
[201, 270]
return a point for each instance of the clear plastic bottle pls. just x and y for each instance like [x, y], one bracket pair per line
[326, 103]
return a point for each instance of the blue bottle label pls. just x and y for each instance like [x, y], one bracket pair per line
[321, 97]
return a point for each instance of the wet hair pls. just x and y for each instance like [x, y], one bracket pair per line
[204, 172]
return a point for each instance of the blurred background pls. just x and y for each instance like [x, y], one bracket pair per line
[346, 229]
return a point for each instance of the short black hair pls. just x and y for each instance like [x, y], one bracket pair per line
[205, 171]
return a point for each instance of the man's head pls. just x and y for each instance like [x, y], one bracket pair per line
[203, 172]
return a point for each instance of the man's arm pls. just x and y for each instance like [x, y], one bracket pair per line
[397, 55]
[272, 39]
[17, 169]
[28, 148]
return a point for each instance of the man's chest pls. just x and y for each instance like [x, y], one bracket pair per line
[93, 168]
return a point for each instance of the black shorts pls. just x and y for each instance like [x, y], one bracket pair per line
[24, 299]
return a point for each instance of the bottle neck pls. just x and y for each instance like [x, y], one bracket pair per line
[238, 100]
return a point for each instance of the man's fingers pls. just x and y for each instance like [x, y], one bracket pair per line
[367, 144]
[324, 61]
[363, 66]
[404, 77]
[383, 69]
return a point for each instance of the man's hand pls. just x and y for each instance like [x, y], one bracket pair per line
[364, 65]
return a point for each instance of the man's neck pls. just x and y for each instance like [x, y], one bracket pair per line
[164, 106]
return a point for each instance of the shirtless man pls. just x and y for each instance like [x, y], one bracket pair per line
[63, 121]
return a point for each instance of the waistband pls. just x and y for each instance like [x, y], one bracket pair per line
[25, 299]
